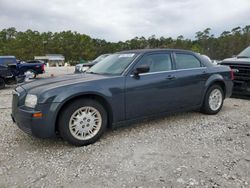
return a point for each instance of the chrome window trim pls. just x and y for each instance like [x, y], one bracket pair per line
[177, 70]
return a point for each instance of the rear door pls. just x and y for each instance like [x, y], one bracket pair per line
[192, 75]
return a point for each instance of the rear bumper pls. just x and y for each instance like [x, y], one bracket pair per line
[229, 89]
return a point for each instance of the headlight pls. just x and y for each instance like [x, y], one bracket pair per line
[31, 101]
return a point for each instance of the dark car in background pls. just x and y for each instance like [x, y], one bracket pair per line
[31, 68]
[124, 87]
[9, 73]
[82, 67]
[8, 76]
[240, 64]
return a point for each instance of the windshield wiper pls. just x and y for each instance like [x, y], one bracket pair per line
[243, 56]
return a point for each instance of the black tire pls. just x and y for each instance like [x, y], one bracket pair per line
[34, 73]
[2, 83]
[206, 108]
[69, 110]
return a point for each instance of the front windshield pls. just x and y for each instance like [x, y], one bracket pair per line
[101, 57]
[245, 53]
[114, 64]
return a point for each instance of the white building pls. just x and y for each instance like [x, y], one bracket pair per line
[52, 60]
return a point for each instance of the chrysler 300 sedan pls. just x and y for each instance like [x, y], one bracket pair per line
[126, 86]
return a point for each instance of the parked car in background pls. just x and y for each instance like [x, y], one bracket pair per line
[82, 67]
[9, 74]
[31, 68]
[99, 58]
[124, 87]
[241, 66]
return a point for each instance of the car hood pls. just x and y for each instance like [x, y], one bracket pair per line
[38, 86]
[237, 60]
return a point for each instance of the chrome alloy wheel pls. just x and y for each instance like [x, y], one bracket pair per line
[215, 99]
[85, 123]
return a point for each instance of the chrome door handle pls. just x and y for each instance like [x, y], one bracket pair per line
[171, 77]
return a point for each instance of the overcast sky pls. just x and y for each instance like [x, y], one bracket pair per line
[115, 20]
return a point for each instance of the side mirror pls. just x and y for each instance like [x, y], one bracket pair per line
[141, 69]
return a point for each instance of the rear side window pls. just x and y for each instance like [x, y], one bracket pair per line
[156, 62]
[186, 61]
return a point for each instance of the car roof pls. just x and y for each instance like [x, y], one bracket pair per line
[142, 51]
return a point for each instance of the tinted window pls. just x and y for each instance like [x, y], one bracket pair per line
[186, 61]
[156, 62]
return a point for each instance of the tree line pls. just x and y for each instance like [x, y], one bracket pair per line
[75, 46]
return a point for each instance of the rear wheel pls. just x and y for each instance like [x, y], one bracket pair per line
[82, 122]
[213, 101]
[2, 83]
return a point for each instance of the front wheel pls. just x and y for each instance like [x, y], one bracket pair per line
[82, 122]
[213, 101]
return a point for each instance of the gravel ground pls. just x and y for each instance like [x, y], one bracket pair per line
[182, 150]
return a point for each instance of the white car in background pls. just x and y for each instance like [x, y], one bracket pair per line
[79, 68]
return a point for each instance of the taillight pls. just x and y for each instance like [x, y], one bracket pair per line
[43, 67]
[232, 74]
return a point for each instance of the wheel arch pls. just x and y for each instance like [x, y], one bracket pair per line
[215, 80]
[96, 97]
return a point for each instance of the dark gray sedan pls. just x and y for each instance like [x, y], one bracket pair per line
[125, 87]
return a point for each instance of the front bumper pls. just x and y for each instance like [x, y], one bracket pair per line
[42, 127]
[241, 88]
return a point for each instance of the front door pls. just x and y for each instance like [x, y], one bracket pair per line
[153, 92]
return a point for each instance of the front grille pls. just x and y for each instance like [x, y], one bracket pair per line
[241, 72]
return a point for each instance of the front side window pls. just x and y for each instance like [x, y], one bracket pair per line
[186, 61]
[156, 62]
